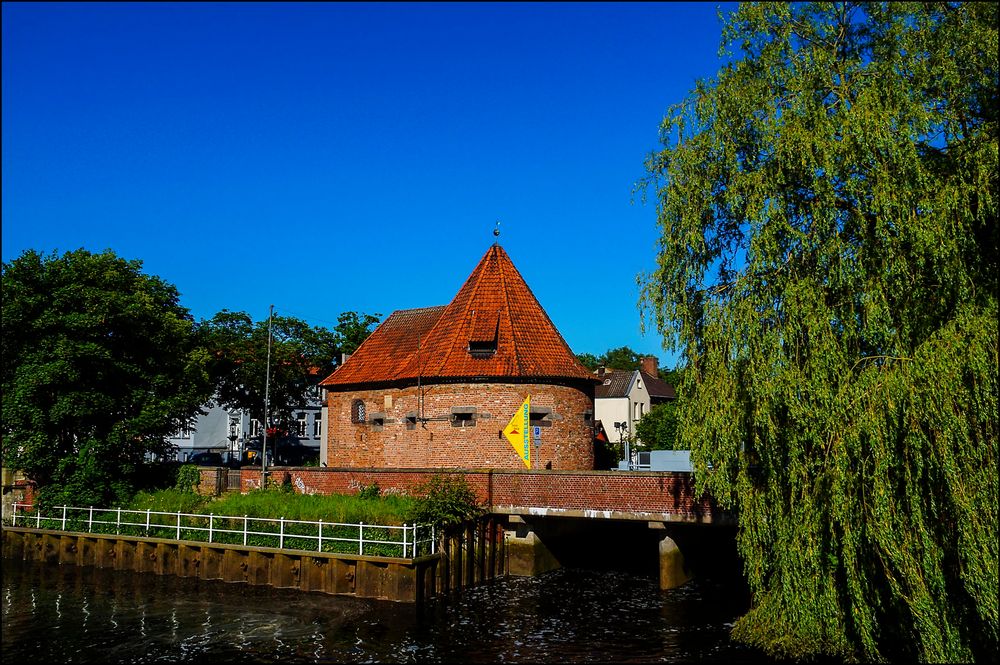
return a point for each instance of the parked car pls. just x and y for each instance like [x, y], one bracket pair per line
[205, 459]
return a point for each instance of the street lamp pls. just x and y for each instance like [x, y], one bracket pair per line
[267, 388]
[622, 428]
[233, 436]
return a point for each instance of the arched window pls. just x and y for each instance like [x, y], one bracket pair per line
[357, 411]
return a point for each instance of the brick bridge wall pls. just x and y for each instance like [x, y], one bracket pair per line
[632, 493]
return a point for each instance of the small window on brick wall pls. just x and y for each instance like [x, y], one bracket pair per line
[357, 411]
[463, 416]
[540, 416]
[378, 421]
[411, 420]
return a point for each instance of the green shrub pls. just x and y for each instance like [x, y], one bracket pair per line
[446, 500]
[372, 491]
[188, 477]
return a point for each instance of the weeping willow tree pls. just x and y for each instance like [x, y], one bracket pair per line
[828, 269]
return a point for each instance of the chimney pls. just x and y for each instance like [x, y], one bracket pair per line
[650, 365]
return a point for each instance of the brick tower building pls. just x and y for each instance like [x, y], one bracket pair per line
[435, 387]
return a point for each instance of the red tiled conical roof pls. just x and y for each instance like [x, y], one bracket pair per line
[494, 327]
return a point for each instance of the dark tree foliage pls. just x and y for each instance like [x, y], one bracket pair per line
[828, 268]
[100, 366]
[589, 360]
[352, 329]
[623, 358]
[445, 500]
[658, 428]
[301, 356]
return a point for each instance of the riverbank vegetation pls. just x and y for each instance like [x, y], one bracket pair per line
[370, 522]
[274, 503]
[442, 500]
[102, 365]
[828, 267]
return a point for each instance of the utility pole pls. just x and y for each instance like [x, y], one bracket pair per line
[267, 388]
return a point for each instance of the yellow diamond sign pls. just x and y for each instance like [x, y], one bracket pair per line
[518, 432]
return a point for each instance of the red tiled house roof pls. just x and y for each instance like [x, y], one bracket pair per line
[493, 328]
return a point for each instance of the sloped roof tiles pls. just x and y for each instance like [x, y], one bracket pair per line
[616, 383]
[494, 308]
[657, 387]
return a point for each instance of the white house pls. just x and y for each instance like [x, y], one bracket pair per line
[223, 431]
[625, 396]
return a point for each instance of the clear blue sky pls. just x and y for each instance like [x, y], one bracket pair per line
[335, 157]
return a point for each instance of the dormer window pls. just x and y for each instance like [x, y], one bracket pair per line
[482, 348]
[484, 333]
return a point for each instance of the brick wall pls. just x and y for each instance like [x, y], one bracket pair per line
[636, 491]
[566, 443]
[211, 482]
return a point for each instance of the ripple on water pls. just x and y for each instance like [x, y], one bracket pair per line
[563, 616]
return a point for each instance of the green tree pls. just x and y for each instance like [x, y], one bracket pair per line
[672, 376]
[589, 360]
[100, 366]
[301, 356]
[658, 428]
[621, 358]
[352, 329]
[828, 268]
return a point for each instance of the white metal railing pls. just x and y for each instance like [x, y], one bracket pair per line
[409, 540]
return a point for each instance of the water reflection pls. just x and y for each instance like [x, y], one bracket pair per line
[70, 614]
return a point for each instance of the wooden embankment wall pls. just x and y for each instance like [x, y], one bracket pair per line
[470, 556]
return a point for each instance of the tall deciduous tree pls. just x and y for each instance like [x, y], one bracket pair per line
[100, 366]
[828, 267]
[352, 329]
[623, 358]
[301, 355]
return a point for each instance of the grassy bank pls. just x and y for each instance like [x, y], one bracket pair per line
[364, 523]
[385, 510]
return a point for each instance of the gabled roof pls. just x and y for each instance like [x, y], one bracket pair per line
[657, 387]
[618, 383]
[493, 328]
[615, 383]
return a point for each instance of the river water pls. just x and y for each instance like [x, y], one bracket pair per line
[55, 613]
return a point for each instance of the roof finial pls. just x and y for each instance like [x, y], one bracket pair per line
[496, 232]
